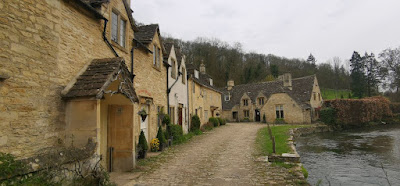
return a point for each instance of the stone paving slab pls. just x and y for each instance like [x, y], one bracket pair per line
[223, 156]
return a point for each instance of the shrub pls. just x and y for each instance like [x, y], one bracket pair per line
[328, 116]
[195, 124]
[246, 119]
[305, 172]
[166, 120]
[143, 142]
[206, 127]
[154, 145]
[214, 121]
[395, 107]
[221, 121]
[280, 121]
[360, 111]
[177, 133]
[161, 137]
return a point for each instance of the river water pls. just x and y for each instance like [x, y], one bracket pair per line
[354, 157]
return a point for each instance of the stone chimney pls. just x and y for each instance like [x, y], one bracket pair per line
[287, 80]
[230, 84]
[202, 68]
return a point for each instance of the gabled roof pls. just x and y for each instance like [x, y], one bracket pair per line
[204, 79]
[168, 47]
[100, 73]
[301, 91]
[145, 33]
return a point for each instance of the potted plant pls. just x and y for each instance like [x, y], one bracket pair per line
[161, 138]
[143, 114]
[142, 146]
[155, 145]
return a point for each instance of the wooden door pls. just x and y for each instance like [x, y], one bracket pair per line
[180, 116]
[120, 137]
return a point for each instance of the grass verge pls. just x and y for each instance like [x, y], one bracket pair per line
[335, 94]
[281, 133]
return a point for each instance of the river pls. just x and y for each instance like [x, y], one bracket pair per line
[353, 157]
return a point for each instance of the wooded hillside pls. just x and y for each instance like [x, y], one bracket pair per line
[224, 62]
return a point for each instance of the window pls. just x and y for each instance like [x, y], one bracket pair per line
[279, 112]
[227, 97]
[183, 76]
[315, 96]
[173, 69]
[159, 119]
[156, 56]
[196, 74]
[246, 113]
[261, 101]
[245, 102]
[172, 114]
[118, 29]
[319, 96]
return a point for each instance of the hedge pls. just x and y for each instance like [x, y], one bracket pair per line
[395, 107]
[195, 124]
[221, 121]
[360, 111]
[328, 116]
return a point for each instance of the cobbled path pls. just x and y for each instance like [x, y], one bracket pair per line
[223, 156]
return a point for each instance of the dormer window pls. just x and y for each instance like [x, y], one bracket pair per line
[211, 82]
[245, 102]
[261, 101]
[227, 97]
[156, 56]
[196, 74]
[183, 75]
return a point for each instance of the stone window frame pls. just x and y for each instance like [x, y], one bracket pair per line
[315, 96]
[227, 96]
[319, 96]
[245, 102]
[172, 114]
[120, 18]
[260, 101]
[246, 113]
[157, 57]
[279, 111]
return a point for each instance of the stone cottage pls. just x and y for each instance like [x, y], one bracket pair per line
[66, 78]
[151, 78]
[204, 97]
[285, 100]
[177, 87]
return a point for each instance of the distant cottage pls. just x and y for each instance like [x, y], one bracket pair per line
[286, 100]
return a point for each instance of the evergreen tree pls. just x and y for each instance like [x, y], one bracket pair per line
[274, 71]
[372, 73]
[358, 79]
[311, 59]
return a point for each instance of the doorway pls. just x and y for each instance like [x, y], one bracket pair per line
[258, 117]
[120, 138]
[235, 116]
[144, 124]
[180, 114]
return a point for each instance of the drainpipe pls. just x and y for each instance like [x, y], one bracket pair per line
[106, 40]
[169, 89]
[187, 97]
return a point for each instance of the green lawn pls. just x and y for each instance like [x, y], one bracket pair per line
[334, 94]
[281, 133]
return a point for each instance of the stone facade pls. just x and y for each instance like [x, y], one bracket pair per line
[296, 101]
[204, 99]
[44, 45]
[150, 84]
[177, 83]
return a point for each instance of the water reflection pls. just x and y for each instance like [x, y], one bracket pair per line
[353, 157]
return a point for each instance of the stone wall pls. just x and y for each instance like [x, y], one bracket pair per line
[44, 44]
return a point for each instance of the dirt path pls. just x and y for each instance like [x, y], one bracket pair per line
[223, 156]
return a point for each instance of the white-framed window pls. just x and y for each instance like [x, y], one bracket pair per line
[196, 74]
[118, 29]
[227, 97]
[279, 112]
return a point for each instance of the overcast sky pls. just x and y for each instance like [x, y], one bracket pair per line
[289, 28]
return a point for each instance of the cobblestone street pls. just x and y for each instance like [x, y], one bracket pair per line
[223, 156]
